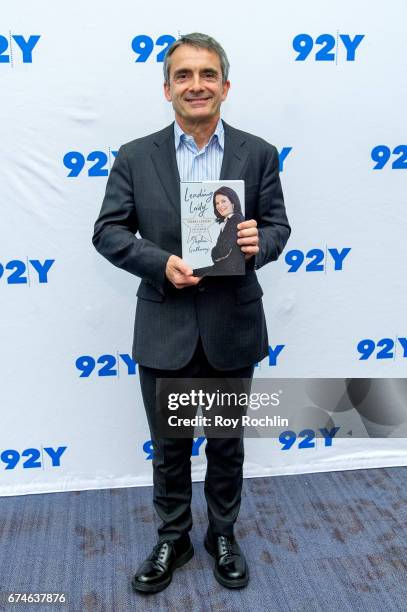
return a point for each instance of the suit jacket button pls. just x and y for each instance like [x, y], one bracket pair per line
[201, 288]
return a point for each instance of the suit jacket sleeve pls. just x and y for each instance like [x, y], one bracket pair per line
[272, 222]
[115, 229]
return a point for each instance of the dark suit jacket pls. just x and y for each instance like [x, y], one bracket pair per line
[143, 195]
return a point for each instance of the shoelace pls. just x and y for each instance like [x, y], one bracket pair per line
[226, 547]
[160, 550]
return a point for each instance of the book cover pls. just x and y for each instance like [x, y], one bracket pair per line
[210, 213]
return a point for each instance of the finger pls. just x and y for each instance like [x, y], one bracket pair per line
[193, 280]
[182, 282]
[182, 279]
[249, 230]
[187, 284]
[184, 269]
[253, 231]
[250, 249]
[181, 266]
[254, 240]
[248, 223]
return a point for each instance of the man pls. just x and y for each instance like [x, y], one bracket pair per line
[185, 326]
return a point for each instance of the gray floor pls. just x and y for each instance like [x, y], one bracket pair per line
[323, 542]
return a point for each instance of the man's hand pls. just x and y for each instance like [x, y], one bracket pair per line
[248, 238]
[179, 273]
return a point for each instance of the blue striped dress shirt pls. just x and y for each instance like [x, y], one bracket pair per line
[199, 164]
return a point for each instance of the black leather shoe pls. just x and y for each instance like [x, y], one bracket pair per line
[155, 573]
[230, 564]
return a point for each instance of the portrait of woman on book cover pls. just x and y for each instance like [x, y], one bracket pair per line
[226, 254]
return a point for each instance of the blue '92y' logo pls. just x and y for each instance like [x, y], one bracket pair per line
[318, 260]
[143, 47]
[326, 47]
[98, 163]
[385, 348]
[381, 155]
[17, 48]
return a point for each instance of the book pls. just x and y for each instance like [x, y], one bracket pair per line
[210, 213]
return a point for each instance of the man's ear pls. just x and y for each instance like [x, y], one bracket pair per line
[226, 87]
[167, 92]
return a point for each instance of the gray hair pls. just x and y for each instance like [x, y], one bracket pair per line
[196, 39]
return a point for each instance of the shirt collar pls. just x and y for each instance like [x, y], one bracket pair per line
[218, 134]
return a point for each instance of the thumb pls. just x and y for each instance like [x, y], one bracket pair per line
[183, 267]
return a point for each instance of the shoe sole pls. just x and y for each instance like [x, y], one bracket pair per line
[230, 584]
[157, 587]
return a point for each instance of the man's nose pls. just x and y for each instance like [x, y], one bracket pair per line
[196, 83]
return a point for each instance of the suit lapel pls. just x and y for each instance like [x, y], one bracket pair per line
[235, 155]
[165, 163]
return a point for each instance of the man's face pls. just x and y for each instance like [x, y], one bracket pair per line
[195, 85]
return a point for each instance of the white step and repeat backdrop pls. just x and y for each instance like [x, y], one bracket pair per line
[325, 83]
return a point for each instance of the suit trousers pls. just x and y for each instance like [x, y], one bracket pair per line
[172, 485]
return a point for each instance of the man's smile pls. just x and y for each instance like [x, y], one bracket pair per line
[197, 100]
